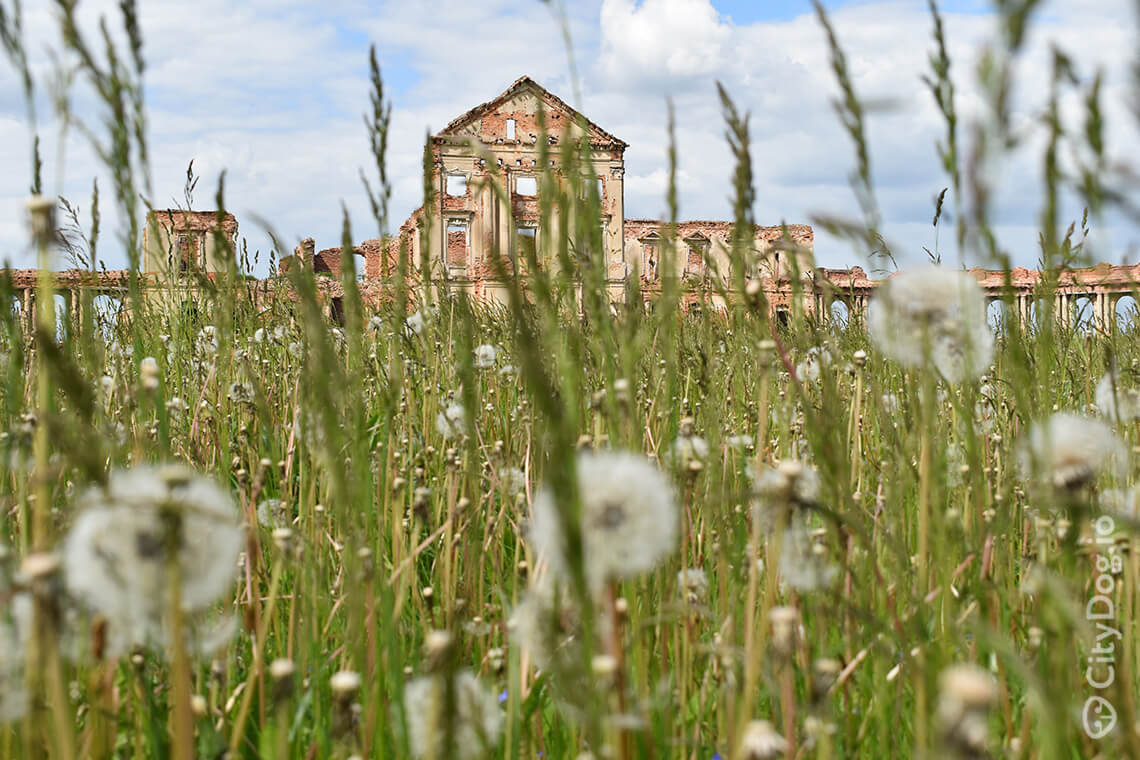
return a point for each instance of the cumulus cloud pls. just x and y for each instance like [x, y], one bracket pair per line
[662, 42]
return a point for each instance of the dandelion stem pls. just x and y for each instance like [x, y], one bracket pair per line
[258, 658]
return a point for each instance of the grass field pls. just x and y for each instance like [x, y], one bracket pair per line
[562, 530]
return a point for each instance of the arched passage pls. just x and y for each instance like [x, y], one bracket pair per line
[105, 310]
[62, 314]
[1083, 314]
[1034, 314]
[998, 315]
[1127, 315]
[840, 314]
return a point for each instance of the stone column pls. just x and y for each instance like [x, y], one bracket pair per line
[28, 317]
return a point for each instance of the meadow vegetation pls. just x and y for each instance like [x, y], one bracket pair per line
[566, 527]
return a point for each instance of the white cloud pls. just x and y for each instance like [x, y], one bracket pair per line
[661, 41]
[274, 92]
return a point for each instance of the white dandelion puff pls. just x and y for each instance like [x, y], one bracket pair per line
[272, 513]
[804, 565]
[740, 441]
[965, 695]
[781, 492]
[207, 340]
[693, 584]
[761, 741]
[451, 422]
[933, 317]
[15, 631]
[512, 479]
[1120, 502]
[130, 535]
[414, 324]
[815, 360]
[688, 447]
[148, 373]
[485, 356]
[1069, 450]
[474, 720]
[241, 393]
[628, 514]
[1116, 402]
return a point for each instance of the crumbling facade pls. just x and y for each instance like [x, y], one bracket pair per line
[484, 216]
[178, 243]
[486, 180]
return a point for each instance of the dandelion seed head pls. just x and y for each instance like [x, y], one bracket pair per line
[1116, 401]
[740, 441]
[965, 695]
[207, 340]
[1069, 450]
[933, 317]
[148, 373]
[485, 356]
[414, 324]
[117, 557]
[804, 565]
[451, 422]
[344, 684]
[761, 741]
[512, 479]
[15, 633]
[815, 360]
[781, 491]
[693, 583]
[1121, 502]
[629, 518]
[687, 448]
[475, 723]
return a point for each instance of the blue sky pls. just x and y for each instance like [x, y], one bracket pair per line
[273, 92]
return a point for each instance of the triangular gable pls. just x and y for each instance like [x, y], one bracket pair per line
[598, 136]
[697, 236]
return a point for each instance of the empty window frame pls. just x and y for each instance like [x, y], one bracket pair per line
[457, 243]
[187, 249]
[510, 129]
[584, 191]
[456, 185]
[695, 259]
[527, 243]
[649, 259]
[527, 186]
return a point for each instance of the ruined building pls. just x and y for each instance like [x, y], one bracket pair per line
[468, 221]
[487, 186]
